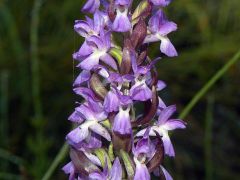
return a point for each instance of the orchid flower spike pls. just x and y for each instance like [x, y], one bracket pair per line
[113, 138]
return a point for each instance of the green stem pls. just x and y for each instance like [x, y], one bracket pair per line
[208, 85]
[35, 60]
[60, 156]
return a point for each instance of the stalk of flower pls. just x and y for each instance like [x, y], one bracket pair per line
[112, 139]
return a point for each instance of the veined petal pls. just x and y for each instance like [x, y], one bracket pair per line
[90, 61]
[151, 38]
[102, 71]
[86, 93]
[143, 131]
[94, 159]
[91, 142]
[141, 171]
[141, 92]
[116, 171]
[165, 114]
[166, 174]
[174, 124]
[68, 168]
[84, 51]
[77, 135]
[168, 147]
[121, 22]
[111, 102]
[101, 20]
[76, 117]
[167, 47]
[122, 2]
[143, 145]
[96, 42]
[161, 85]
[82, 77]
[96, 176]
[107, 59]
[82, 28]
[167, 27]
[86, 112]
[99, 129]
[122, 123]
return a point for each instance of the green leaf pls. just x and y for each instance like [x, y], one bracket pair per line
[106, 123]
[128, 164]
[102, 154]
[117, 54]
[140, 9]
[110, 152]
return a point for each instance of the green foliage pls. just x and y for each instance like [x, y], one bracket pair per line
[207, 38]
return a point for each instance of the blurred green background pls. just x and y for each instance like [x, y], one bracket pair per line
[36, 74]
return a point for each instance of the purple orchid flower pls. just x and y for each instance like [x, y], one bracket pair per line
[144, 148]
[122, 123]
[114, 174]
[93, 113]
[122, 22]
[99, 46]
[160, 27]
[163, 125]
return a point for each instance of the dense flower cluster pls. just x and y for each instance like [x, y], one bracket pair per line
[118, 80]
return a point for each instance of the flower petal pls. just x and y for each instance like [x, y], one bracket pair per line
[91, 6]
[141, 92]
[151, 38]
[77, 135]
[107, 59]
[76, 117]
[99, 129]
[84, 51]
[89, 62]
[174, 124]
[168, 147]
[141, 172]
[167, 47]
[167, 27]
[68, 168]
[161, 85]
[82, 28]
[82, 77]
[96, 176]
[111, 102]
[165, 114]
[121, 22]
[116, 171]
[166, 174]
[161, 3]
[122, 123]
